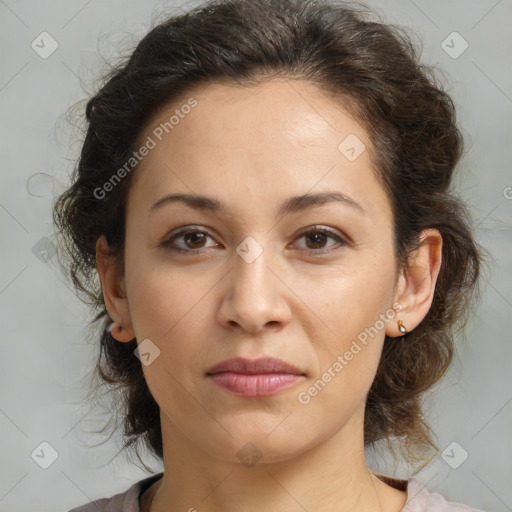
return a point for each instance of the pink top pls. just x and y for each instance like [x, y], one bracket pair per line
[418, 498]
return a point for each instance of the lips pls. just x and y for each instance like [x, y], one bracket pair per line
[255, 378]
[254, 366]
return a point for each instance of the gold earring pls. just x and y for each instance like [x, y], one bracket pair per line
[401, 327]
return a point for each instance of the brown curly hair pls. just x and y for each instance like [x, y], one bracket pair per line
[416, 146]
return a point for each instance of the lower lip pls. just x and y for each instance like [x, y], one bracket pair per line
[257, 385]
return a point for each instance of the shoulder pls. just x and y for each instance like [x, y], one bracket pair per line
[127, 501]
[419, 499]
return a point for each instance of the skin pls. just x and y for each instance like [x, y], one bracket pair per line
[252, 148]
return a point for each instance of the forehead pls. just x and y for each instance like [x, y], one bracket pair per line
[266, 142]
[288, 113]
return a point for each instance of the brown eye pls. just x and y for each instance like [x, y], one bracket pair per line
[190, 241]
[194, 240]
[317, 238]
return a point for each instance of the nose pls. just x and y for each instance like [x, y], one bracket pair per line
[254, 295]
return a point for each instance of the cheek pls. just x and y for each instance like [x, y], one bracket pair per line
[353, 322]
[160, 296]
[168, 308]
[173, 321]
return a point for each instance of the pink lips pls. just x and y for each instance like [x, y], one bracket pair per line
[255, 377]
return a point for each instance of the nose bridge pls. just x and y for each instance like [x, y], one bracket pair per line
[251, 275]
[253, 296]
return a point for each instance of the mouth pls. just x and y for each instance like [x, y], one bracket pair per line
[255, 377]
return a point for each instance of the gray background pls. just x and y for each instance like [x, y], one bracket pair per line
[46, 351]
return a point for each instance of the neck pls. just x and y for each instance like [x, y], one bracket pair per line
[332, 476]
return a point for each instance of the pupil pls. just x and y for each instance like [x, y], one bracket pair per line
[317, 237]
[194, 240]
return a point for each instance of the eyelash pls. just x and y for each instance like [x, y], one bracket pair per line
[310, 230]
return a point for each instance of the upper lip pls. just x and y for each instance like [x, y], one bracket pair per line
[254, 366]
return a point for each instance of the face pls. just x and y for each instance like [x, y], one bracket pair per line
[312, 285]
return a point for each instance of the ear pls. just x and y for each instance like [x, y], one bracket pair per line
[112, 283]
[416, 284]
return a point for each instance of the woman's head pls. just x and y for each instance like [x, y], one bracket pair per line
[252, 104]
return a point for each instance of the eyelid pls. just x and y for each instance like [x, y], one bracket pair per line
[183, 230]
[324, 229]
[341, 238]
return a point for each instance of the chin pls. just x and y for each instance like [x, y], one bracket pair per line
[257, 446]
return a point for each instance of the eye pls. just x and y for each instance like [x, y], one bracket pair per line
[317, 238]
[193, 240]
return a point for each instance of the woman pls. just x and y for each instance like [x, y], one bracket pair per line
[264, 192]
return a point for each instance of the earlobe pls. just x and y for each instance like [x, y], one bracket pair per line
[416, 288]
[117, 331]
[113, 292]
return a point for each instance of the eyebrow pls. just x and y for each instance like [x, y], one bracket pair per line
[291, 205]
